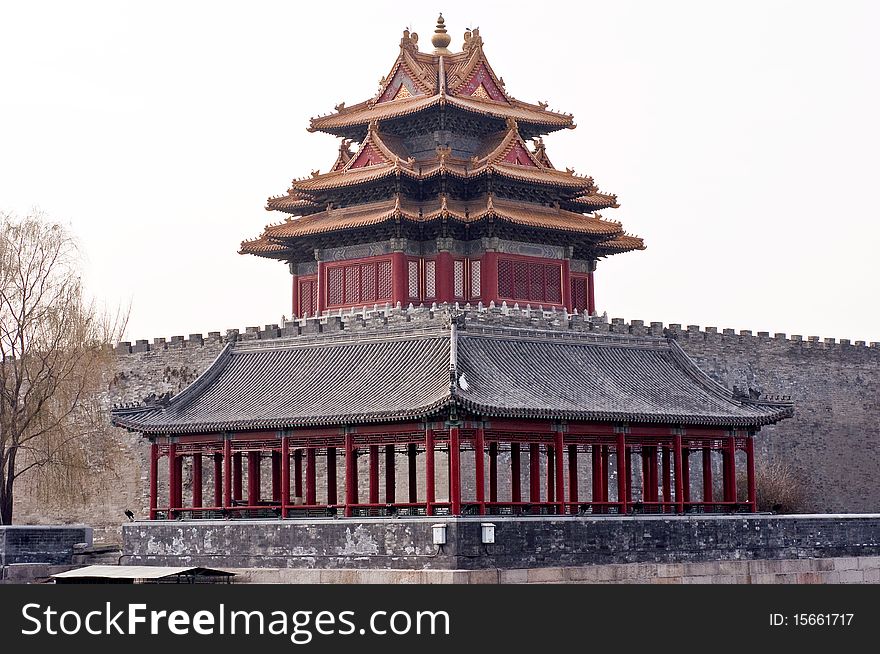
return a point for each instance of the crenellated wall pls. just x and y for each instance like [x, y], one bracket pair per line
[833, 442]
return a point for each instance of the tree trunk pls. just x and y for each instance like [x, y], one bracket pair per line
[6, 491]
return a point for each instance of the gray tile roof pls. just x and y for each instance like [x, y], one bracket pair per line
[404, 375]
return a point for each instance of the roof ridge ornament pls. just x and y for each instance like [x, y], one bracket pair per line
[440, 39]
[409, 41]
[472, 40]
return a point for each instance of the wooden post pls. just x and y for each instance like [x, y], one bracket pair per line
[454, 471]
[479, 469]
[493, 471]
[197, 480]
[550, 484]
[750, 472]
[686, 473]
[534, 474]
[154, 479]
[227, 473]
[628, 463]
[390, 481]
[667, 478]
[731, 470]
[350, 475]
[606, 471]
[646, 473]
[412, 454]
[596, 475]
[374, 475]
[311, 477]
[515, 474]
[573, 474]
[707, 473]
[399, 279]
[285, 475]
[237, 477]
[652, 469]
[429, 471]
[276, 476]
[591, 295]
[298, 474]
[678, 462]
[218, 480]
[622, 471]
[559, 450]
[173, 502]
[253, 482]
[331, 476]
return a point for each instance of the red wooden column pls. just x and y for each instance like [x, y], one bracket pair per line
[298, 474]
[493, 471]
[173, 502]
[390, 481]
[566, 284]
[606, 471]
[236, 477]
[678, 462]
[331, 476]
[550, 483]
[667, 478]
[350, 475]
[227, 473]
[559, 451]
[399, 279]
[489, 277]
[253, 482]
[455, 471]
[197, 481]
[573, 474]
[750, 472]
[707, 472]
[311, 477]
[411, 454]
[429, 471]
[591, 295]
[515, 474]
[652, 470]
[596, 475]
[276, 476]
[730, 469]
[686, 473]
[374, 475]
[218, 480]
[294, 296]
[285, 475]
[622, 471]
[534, 475]
[444, 287]
[628, 462]
[154, 479]
[646, 473]
[480, 469]
[321, 290]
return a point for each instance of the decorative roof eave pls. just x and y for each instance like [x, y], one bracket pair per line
[293, 205]
[361, 114]
[126, 419]
[779, 413]
[622, 243]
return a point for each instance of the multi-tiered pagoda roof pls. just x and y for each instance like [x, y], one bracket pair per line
[443, 152]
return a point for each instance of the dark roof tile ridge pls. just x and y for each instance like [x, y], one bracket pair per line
[345, 337]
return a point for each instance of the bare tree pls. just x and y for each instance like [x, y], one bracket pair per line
[54, 358]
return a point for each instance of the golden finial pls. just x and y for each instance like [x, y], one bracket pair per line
[440, 38]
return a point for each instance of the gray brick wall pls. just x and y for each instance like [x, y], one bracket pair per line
[833, 442]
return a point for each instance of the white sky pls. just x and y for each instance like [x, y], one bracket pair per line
[742, 139]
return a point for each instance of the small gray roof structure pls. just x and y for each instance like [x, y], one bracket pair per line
[136, 572]
[413, 373]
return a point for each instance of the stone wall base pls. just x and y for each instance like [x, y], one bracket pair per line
[840, 570]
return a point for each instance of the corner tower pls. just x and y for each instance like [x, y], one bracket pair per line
[448, 196]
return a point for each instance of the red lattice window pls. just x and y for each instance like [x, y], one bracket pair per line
[530, 281]
[580, 293]
[307, 296]
[358, 283]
